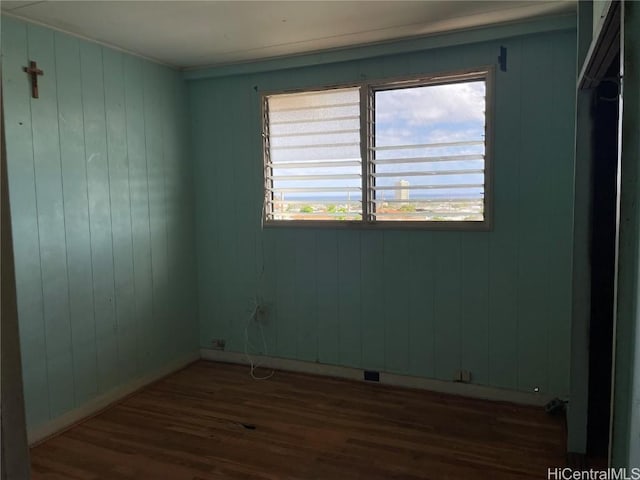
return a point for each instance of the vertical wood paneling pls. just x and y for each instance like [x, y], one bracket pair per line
[559, 331]
[372, 274]
[326, 270]
[157, 206]
[180, 205]
[503, 241]
[474, 316]
[349, 292]
[421, 285]
[120, 202]
[81, 216]
[269, 289]
[139, 197]
[287, 324]
[396, 301]
[171, 176]
[417, 64]
[99, 214]
[234, 310]
[205, 136]
[306, 307]
[245, 213]
[448, 297]
[24, 220]
[51, 225]
[184, 164]
[76, 214]
[164, 91]
[423, 303]
[535, 239]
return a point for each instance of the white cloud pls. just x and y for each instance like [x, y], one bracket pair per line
[423, 106]
[441, 135]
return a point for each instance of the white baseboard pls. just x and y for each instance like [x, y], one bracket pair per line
[464, 389]
[99, 403]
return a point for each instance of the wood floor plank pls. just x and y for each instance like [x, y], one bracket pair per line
[213, 421]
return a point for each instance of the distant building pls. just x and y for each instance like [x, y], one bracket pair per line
[402, 193]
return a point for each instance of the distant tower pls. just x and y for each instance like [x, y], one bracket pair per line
[402, 193]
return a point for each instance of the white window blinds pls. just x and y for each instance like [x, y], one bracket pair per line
[313, 162]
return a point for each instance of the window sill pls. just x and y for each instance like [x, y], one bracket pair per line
[483, 226]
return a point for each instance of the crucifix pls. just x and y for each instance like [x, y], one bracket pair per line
[34, 71]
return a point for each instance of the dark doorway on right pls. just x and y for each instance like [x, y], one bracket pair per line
[605, 115]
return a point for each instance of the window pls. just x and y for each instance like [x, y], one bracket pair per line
[401, 153]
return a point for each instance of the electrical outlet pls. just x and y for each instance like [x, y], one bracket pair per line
[463, 376]
[262, 313]
[218, 344]
[371, 376]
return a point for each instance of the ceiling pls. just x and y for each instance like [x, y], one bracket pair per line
[189, 34]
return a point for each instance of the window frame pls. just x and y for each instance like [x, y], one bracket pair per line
[368, 88]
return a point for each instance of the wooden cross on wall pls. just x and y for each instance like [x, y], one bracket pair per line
[34, 71]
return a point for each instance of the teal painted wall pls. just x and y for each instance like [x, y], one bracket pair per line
[101, 195]
[422, 303]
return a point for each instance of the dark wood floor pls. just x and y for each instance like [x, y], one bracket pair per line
[212, 421]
